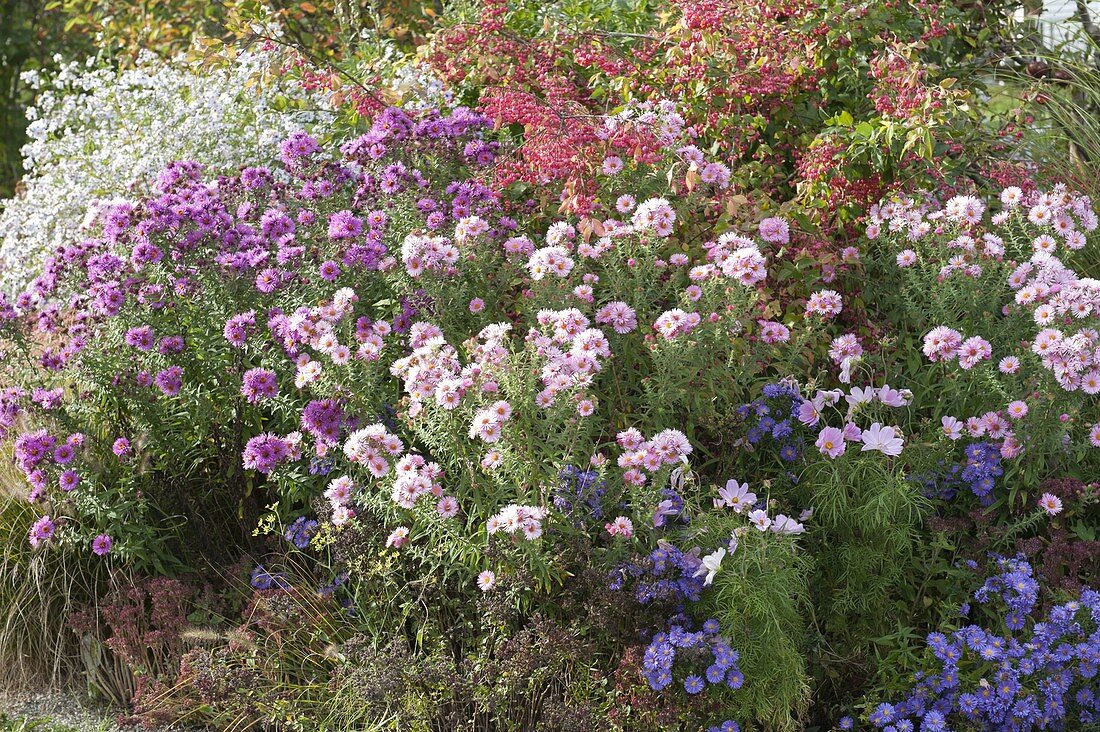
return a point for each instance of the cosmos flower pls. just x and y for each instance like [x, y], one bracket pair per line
[710, 565]
[883, 439]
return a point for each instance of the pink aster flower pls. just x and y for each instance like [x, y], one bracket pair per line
[1050, 503]
[447, 507]
[826, 303]
[621, 526]
[775, 230]
[398, 538]
[486, 581]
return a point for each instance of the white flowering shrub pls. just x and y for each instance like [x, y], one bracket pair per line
[100, 134]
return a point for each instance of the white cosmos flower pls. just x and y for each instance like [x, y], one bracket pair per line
[710, 565]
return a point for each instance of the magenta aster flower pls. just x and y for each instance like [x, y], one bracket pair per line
[69, 480]
[344, 225]
[101, 545]
[121, 447]
[42, 530]
[259, 384]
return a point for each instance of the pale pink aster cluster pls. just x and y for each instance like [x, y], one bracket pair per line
[773, 332]
[488, 423]
[553, 260]
[1057, 295]
[573, 352]
[372, 447]
[518, 245]
[656, 215]
[825, 303]
[775, 230]
[398, 538]
[845, 347]
[340, 492]
[516, 519]
[415, 477]
[992, 425]
[947, 344]
[420, 253]
[620, 316]
[469, 227]
[675, 322]
[734, 256]
[641, 456]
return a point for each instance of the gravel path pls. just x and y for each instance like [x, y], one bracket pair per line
[65, 709]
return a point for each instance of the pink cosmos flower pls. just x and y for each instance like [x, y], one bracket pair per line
[952, 428]
[736, 496]
[852, 433]
[760, 520]
[883, 439]
[830, 441]
[786, 525]
[808, 413]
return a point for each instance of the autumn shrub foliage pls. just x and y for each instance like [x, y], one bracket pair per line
[672, 369]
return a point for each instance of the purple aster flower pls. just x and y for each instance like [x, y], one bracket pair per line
[69, 480]
[140, 338]
[101, 545]
[344, 225]
[259, 384]
[170, 380]
[264, 452]
[42, 530]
